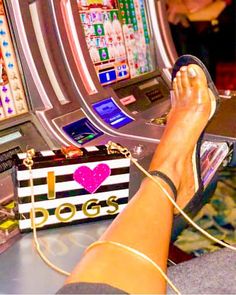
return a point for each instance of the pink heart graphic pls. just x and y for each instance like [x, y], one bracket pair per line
[91, 180]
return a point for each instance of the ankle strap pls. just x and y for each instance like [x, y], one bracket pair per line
[164, 177]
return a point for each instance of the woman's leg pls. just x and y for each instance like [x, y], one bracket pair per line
[145, 224]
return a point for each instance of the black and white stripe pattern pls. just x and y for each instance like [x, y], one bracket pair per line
[67, 190]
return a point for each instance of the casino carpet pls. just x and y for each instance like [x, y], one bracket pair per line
[218, 217]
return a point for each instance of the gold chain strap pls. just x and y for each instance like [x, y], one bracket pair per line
[28, 162]
[125, 152]
[112, 149]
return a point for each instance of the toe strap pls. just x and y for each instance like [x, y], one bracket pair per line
[164, 177]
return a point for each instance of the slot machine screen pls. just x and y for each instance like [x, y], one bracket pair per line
[110, 112]
[82, 131]
[12, 97]
[118, 38]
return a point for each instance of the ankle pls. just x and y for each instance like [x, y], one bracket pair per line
[171, 168]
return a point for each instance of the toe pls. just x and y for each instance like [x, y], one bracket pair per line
[198, 83]
[184, 78]
[179, 82]
[175, 94]
[196, 76]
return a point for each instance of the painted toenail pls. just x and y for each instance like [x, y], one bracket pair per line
[192, 73]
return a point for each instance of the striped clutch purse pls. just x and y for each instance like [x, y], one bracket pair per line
[71, 186]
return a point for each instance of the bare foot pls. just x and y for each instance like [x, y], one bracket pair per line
[191, 85]
[104, 264]
[190, 112]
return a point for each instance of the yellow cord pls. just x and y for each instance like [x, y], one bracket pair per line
[29, 163]
[205, 233]
[138, 253]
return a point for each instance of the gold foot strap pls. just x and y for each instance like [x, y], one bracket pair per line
[164, 177]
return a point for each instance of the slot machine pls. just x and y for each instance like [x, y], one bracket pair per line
[120, 53]
[19, 127]
[114, 42]
[60, 108]
[82, 104]
[76, 93]
[117, 51]
[79, 102]
[56, 107]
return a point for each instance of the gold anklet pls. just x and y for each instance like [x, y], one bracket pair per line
[136, 252]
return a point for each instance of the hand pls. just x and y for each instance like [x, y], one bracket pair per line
[194, 6]
[176, 13]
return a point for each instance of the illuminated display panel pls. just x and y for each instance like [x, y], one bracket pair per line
[12, 97]
[117, 37]
[82, 131]
[110, 112]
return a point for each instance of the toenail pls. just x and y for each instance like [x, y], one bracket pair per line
[192, 73]
[178, 74]
[183, 69]
[174, 80]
